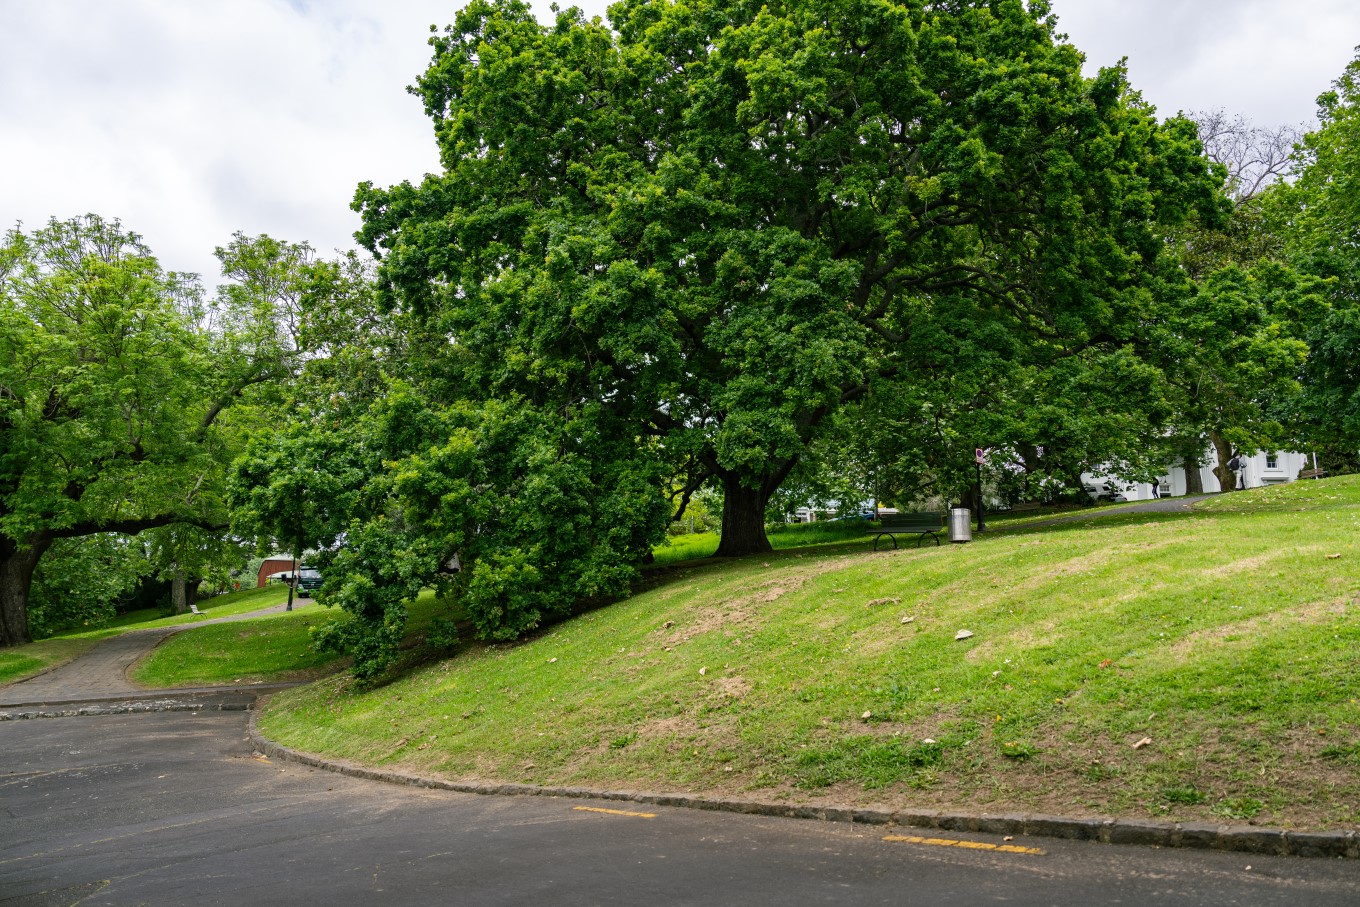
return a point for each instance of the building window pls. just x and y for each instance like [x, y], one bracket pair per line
[1272, 461]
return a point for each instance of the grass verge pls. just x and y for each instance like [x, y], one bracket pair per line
[275, 647]
[26, 661]
[271, 648]
[1192, 667]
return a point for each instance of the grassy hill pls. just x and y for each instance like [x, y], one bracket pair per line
[1192, 666]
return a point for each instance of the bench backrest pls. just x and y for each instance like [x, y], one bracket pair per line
[921, 522]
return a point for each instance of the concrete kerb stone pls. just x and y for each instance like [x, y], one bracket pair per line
[1250, 839]
[121, 708]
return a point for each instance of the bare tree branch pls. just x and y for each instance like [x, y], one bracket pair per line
[1255, 156]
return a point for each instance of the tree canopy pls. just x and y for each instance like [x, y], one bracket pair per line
[1320, 221]
[717, 223]
[114, 378]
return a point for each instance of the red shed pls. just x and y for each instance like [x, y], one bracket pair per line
[275, 563]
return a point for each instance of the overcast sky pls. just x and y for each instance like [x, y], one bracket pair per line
[190, 119]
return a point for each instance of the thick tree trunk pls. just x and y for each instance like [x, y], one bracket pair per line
[179, 602]
[1194, 482]
[1227, 478]
[1192, 453]
[743, 519]
[16, 580]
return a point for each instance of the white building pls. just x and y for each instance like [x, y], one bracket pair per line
[1265, 468]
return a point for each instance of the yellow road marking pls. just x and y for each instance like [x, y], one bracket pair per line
[614, 812]
[967, 845]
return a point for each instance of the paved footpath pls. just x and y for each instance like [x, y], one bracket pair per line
[102, 673]
[1157, 505]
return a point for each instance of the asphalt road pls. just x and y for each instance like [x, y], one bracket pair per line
[174, 808]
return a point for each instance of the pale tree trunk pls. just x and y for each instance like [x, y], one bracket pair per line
[16, 580]
[743, 519]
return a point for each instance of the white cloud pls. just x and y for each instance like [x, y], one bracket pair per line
[190, 120]
[1266, 59]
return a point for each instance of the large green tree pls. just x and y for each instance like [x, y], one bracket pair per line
[1232, 345]
[1320, 219]
[115, 378]
[720, 221]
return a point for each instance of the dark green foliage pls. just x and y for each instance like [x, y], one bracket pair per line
[80, 582]
[723, 221]
[542, 511]
[1320, 215]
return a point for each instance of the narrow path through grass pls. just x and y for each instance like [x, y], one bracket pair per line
[22, 662]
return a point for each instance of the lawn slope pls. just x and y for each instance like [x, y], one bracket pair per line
[1194, 666]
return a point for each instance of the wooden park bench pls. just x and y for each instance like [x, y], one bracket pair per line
[921, 525]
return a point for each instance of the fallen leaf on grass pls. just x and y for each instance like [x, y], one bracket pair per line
[908, 619]
[1106, 663]
[882, 601]
[703, 671]
[1332, 557]
[963, 634]
[1142, 743]
[867, 715]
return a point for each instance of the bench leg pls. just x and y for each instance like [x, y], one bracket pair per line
[889, 535]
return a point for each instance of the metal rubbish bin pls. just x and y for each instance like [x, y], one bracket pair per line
[960, 524]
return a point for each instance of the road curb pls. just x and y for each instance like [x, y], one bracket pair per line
[1196, 836]
[127, 707]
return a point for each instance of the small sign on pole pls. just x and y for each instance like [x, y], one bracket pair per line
[980, 455]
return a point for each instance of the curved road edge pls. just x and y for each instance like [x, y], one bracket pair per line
[1198, 836]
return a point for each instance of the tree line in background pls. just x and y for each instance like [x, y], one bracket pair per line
[726, 256]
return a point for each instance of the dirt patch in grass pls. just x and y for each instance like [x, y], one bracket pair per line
[745, 610]
[1259, 562]
[736, 687]
[1025, 637]
[1247, 630]
[674, 726]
